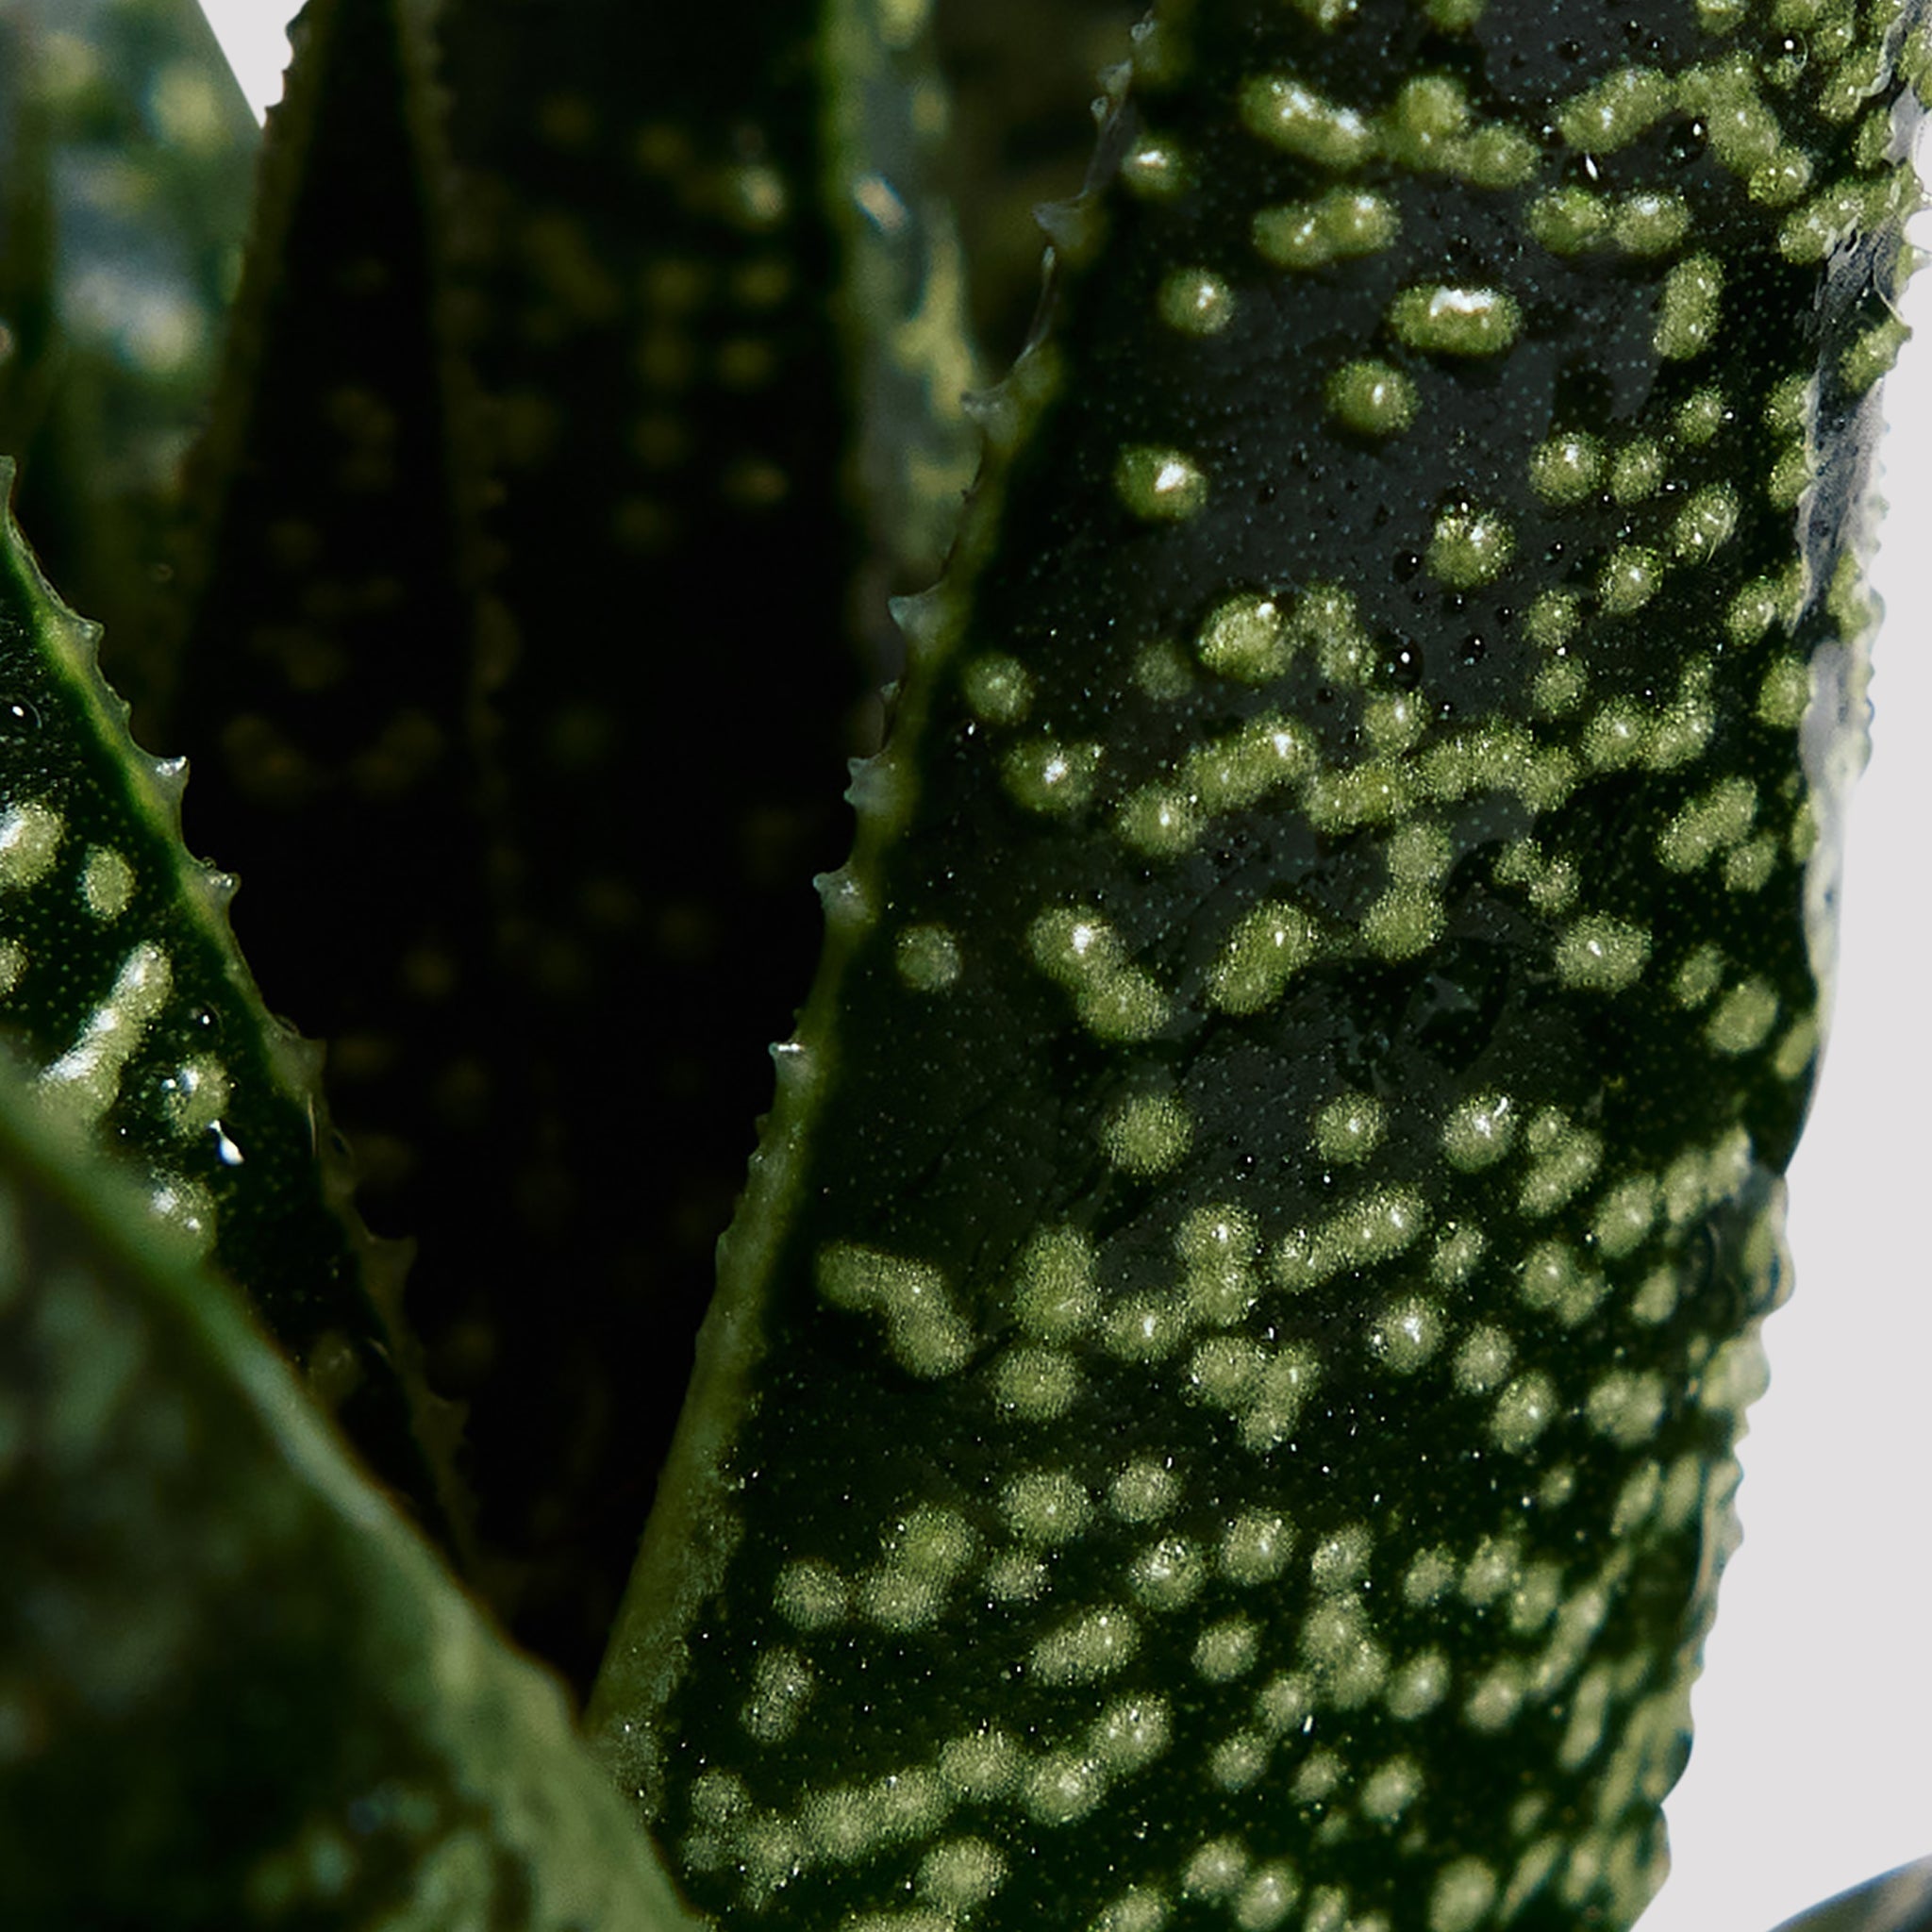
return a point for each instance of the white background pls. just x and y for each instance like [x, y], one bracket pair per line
[1813, 1764]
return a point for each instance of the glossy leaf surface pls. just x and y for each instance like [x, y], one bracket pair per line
[123, 990]
[1220, 1407]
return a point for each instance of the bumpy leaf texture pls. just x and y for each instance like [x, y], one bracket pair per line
[647, 266]
[121, 985]
[1220, 1411]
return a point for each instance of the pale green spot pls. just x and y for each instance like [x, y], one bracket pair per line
[1631, 576]
[1429, 1573]
[1349, 1127]
[1440, 320]
[1155, 170]
[1167, 1576]
[927, 958]
[107, 883]
[1161, 486]
[1469, 547]
[1254, 1547]
[1554, 1281]
[1403, 923]
[1045, 1508]
[1270, 945]
[1407, 1334]
[1638, 470]
[1457, 1251]
[1785, 694]
[1463, 1893]
[811, 1595]
[999, 689]
[1602, 954]
[1873, 354]
[1625, 1406]
[1048, 777]
[1147, 1135]
[1616, 111]
[1372, 398]
[1226, 1650]
[1418, 1686]
[1649, 223]
[1160, 821]
[1144, 1492]
[1245, 636]
[1742, 1018]
[1113, 998]
[1289, 115]
[1701, 416]
[1130, 1734]
[1195, 301]
[1388, 1793]
[1479, 1131]
[923, 1332]
[1697, 978]
[1568, 220]
[782, 1685]
[1567, 469]
[1689, 308]
[1705, 523]
[1483, 1360]
[1160, 669]
[1056, 1297]
[1452, 16]
[962, 1874]
[1088, 1646]
[86, 1080]
[1523, 1410]
[1617, 735]
[1552, 618]
[1496, 157]
[1712, 823]
[1626, 1215]
[981, 1766]
[1341, 225]
[1266, 751]
[1036, 1385]
[1564, 1157]
[1426, 123]
[30, 835]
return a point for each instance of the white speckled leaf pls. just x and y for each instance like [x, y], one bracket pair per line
[120, 985]
[1219, 1409]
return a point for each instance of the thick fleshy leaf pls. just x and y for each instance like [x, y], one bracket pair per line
[234, 1688]
[648, 272]
[121, 985]
[1221, 1406]
[333, 638]
[127, 154]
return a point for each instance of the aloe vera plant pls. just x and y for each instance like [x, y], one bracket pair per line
[1219, 1400]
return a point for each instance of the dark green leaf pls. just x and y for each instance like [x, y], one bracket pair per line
[234, 1688]
[1221, 1404]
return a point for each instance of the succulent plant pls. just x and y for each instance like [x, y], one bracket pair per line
[1219, 1401]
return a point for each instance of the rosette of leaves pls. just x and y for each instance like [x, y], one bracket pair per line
[1219, 1401]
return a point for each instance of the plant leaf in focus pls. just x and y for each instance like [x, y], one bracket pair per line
[122, 988]
[1221, 1404]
